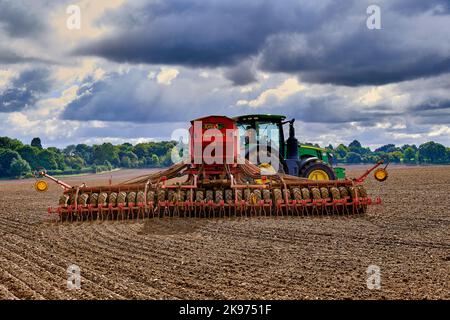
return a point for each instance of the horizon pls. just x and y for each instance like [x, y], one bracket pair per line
[130, 71]
[372, 148]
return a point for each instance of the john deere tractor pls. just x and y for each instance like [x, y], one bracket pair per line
[295, 159]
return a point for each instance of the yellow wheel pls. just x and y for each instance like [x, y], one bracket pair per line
[317, 171]
[380, 174]
[318, 174]
[41, 186]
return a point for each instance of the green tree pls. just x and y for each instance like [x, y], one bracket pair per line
[355, 144]
[409, 155]
[36, 142]
[353, 157]
[395, 156]
[30, 154]
[141, 150]
[6, 158]
[19, 167]
[341, 151]
[130, 158]
[103, 152]
[74, 162]
[8, 143]
[84, 151]
[47, 160]
[125, 162]
[108, 165]
[69, 150]
[432, 152]
[387, 148]
[59, 157]
[153, 161]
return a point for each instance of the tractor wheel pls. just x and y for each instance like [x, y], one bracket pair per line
[316, 193]
[297, 194]
[112, 198]
[257, 195]
[93, 199]
[266, 195]
[121, 198]
[63, 200]
[209, 195]
[102, 197]
[229, 195]
[151, 196]
[199, 196]
[317, 171]
[306, 195]
[219, 196]
[172, 196]
[324, 192]
[131, 198]
[336, 195]
[83, 199]
[277, 195]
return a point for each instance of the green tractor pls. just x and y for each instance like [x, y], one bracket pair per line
[295, 159]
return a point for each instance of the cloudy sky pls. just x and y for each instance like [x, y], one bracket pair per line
[136, 70]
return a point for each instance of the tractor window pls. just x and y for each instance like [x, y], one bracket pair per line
[243, 128]
[269, 132]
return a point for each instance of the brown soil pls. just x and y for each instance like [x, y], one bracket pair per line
[261, 258]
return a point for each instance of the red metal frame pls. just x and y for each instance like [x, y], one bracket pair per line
[63, 185]
[364, 176]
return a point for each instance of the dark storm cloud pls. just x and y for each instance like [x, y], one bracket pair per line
[19, 19]
[321, 41]
[241, 74]
[199, 33]
[432, 111]
[9, 57]
[364, 58]
[25, 90]
[432, 105]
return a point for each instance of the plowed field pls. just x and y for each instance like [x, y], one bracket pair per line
[408, 238]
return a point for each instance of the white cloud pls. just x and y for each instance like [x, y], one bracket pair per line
[5, 76]
[286, 89]
[400, 135]
[91, 11]
[166, 75]
[78, 72]
[53, 106]
[441, 130]
[21, 121]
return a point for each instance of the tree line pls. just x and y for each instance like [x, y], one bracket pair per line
[20, 160]
[426, 153]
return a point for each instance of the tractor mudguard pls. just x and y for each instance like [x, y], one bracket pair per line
[305, 161]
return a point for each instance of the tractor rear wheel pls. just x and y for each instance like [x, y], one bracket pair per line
[317, 171]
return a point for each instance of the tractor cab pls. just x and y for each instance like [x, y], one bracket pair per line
[267, 128]
[300, 160]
